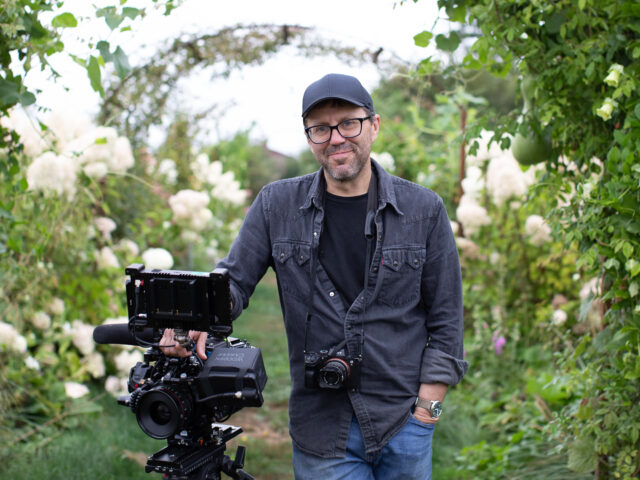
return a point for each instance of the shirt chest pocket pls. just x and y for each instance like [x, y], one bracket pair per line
[402, 271]
[293, 267]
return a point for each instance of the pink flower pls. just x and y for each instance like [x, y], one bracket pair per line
[498, 342]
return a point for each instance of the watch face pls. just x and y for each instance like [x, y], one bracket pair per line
[436, 409]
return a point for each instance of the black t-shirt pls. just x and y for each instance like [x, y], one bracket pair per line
[343, 245]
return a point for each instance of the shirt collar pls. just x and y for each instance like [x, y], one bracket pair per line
[386, 192]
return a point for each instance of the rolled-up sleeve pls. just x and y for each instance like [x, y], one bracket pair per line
[442, 360]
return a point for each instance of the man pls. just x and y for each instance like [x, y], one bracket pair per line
[370, 289]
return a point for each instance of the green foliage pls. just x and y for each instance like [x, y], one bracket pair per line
[581, 60]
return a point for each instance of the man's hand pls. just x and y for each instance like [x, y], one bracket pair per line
[433, 391]
[176, 350]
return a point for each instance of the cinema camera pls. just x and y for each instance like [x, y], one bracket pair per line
[184, 400]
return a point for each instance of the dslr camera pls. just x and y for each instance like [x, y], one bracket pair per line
[184, 400]
[331, 368]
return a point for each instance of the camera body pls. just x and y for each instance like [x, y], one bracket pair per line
[331, 369]
[182, 399]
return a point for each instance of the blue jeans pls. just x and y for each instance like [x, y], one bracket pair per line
[407, 456]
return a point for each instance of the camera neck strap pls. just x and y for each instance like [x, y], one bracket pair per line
[369, 227]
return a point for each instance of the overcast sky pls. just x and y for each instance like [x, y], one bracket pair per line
[268, 96]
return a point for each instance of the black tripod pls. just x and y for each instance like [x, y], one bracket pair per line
[182, 462]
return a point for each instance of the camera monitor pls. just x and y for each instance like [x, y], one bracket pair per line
[179, 299]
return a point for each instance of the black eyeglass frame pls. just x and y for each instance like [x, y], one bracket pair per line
[336, 127]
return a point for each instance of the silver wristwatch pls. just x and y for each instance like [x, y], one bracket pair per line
[434, 407]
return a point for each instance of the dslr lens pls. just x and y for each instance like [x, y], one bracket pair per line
[334, 373]
[162, 412]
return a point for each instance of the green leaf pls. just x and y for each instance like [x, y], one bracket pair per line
[448, 44]
[9, 93]
[131, 12]
[121, 62]
[633, 267]
[64, 20]
[105, 53]
[95, 76]
[634, 287]
[422, 39]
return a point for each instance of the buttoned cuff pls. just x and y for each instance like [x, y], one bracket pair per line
[440, 367]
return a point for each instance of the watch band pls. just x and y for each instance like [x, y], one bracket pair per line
[434, 407]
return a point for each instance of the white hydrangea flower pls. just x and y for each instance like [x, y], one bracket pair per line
[41, 320]
[190, 236]
[191, 207]
[105, 258]
[75, 390]
[386, 160]
[167, 169]
[105, 226]
[157, 258]
[32, 363]
[505, 179]
[82, 337]
[65, 127]
[123, 155]
[20, 344]
[472, 216]
[127, 359]
[485, 151]
[51, 173]
[559, 317]
[31, 135]
[116, 386]
[96, 170]
[128, 247]
[537, 230]
[473, 183]
[95, 365]
[8, 337]
[56, 306]
[225, 187]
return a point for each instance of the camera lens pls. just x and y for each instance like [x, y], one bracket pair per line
[333, 374]
[162, 412]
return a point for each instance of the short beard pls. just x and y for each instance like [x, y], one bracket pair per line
[358, 165]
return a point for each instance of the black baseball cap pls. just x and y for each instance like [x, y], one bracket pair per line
[336, 85]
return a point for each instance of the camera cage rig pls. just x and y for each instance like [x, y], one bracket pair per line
[187, 300]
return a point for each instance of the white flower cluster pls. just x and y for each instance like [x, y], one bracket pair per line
[75, 389]
[11, 340]
[53, 173]
[106, 259]
[105, 226]
[168, 170]
[101, 151]
[385, 159]
[68, 144]
[191, 208]
[225, 187]
[157, 258]
[41, 320]
[537, 230]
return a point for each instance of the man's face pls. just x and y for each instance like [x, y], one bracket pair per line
[343, 158]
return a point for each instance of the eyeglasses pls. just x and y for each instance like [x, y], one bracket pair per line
[352, 127]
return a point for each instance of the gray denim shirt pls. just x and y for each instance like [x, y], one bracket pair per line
[410, 311]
